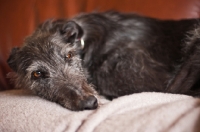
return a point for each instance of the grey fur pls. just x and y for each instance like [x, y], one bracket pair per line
[123, 54]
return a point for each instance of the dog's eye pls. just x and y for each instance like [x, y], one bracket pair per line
[69, 55]
[36, 74]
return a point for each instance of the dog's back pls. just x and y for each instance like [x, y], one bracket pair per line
[127, 53]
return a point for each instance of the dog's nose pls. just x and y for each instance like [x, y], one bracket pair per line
[89, 103]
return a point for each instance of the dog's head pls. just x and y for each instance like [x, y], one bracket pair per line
[49, 64]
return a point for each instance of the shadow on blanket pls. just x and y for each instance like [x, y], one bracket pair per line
[21, 111]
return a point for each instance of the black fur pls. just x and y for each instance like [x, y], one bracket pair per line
[123, 54]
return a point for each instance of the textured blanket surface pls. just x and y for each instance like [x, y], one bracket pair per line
[21, 111]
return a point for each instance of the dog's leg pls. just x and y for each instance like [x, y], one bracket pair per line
[188, 74]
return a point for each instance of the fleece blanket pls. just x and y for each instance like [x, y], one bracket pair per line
[20, 111]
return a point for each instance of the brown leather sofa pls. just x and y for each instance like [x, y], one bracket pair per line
[19, 18]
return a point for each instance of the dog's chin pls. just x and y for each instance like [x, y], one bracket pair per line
[89, 103]
[72, 108]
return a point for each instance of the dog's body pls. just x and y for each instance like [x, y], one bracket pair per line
[122, 54]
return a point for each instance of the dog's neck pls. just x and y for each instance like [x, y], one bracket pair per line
[82, 43]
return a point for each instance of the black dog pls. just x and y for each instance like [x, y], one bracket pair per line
[115, 54]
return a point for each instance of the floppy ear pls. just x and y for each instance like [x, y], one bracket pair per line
[12, 60]
[71, 32]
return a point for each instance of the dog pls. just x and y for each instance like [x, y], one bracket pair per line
[72, 61]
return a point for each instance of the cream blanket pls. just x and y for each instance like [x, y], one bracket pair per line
[21, 111]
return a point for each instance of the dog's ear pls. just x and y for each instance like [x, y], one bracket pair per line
[12, 60]
[71, 32]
